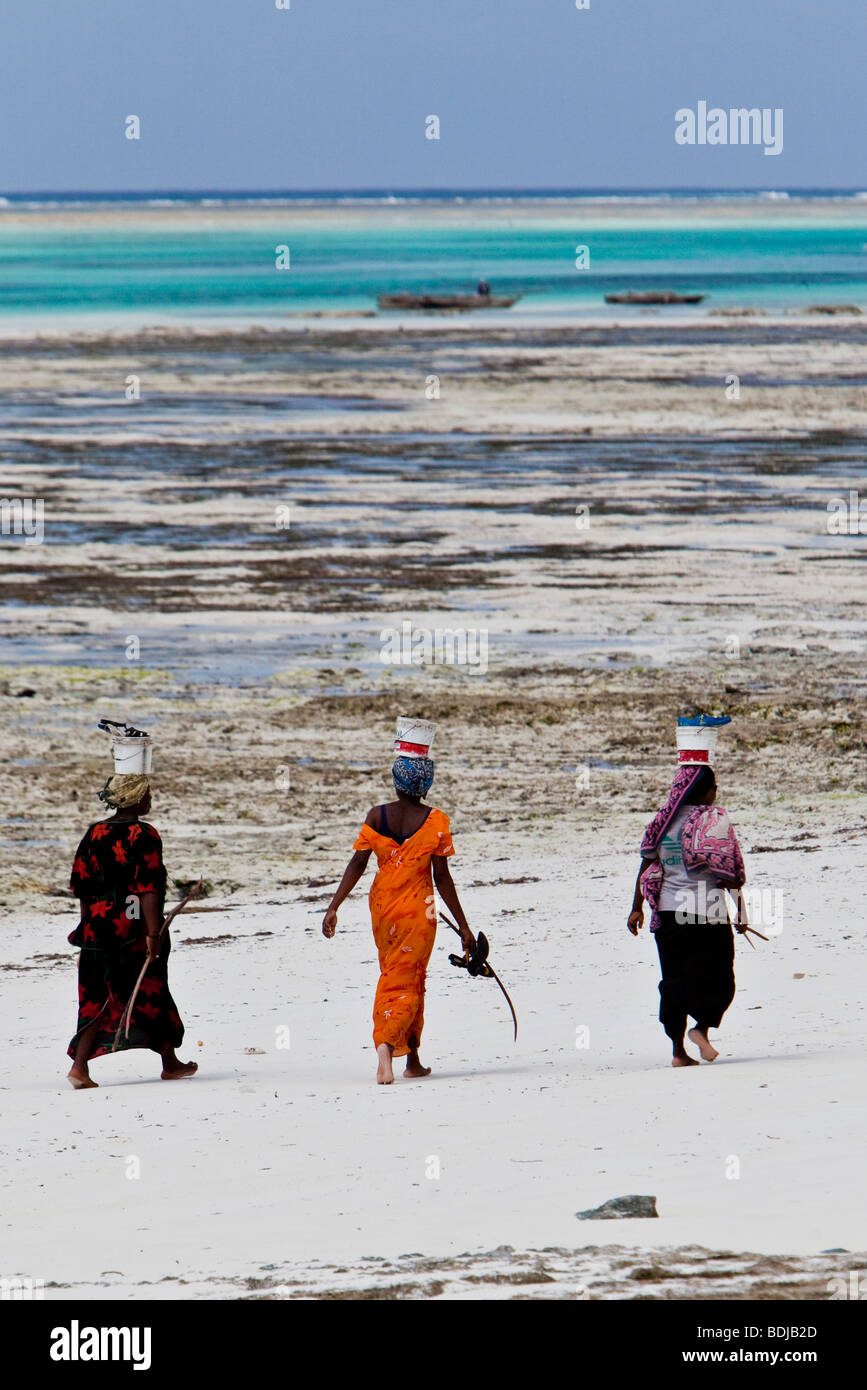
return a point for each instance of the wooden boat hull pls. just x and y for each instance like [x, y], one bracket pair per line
[462, 303]
[654, 297]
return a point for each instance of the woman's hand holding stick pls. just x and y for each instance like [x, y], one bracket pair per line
[742, 926]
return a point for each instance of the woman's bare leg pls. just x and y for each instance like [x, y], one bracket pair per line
[680, 1056]
[384, 1073]
[698, 1035]
[414, 1067]
[78, 1074]
[173, 1069]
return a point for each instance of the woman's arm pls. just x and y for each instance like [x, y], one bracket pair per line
[351, 874]
[149, 904]
[449, 894]
[741, 920]
[635, 920]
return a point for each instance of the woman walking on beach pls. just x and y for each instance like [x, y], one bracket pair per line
[412, 844]
[690, 854]
[119, 877]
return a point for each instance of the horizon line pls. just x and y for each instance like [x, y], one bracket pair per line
[444, 191]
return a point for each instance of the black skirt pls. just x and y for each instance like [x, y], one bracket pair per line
[106, 980]
[698, 978]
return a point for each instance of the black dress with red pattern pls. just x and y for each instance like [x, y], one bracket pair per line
[117, 861]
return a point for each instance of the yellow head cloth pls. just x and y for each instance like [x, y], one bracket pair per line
[124, 789]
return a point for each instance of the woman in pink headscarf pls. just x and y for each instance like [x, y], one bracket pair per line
[689, 856]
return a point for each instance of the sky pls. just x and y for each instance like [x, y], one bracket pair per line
[334, 94]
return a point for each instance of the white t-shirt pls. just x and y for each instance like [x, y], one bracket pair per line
[688, 894]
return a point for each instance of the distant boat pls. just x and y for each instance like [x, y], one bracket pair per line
[654, 297]
[460, 302]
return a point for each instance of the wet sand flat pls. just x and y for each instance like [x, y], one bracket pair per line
[257, 556]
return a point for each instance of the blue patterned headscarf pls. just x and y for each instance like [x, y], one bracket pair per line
[413, 776]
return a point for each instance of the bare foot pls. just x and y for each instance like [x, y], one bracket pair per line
[415, 1069]
[179, 1072]
[384, 1073]
[707, 1050]
[81, 1080]
[684, 1061]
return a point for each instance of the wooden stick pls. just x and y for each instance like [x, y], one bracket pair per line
[167, 920]
[492, 973]
[744, 930]
[755, 933]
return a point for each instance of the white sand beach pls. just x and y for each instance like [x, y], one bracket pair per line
[286, 1173]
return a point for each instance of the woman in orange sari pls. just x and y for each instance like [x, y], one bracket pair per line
[412, 844]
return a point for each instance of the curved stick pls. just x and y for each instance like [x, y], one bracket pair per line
[123, 1026]
[489, 972]
[496, 977]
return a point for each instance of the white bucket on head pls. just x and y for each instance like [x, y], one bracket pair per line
[696, 745]
[131, 755]
[414, 737]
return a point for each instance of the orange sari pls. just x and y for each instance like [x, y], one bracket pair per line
[404, 926]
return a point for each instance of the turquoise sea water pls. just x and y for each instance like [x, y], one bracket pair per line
[344, 252]
[185, 443]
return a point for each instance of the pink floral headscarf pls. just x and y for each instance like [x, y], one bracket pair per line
[684, 779]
